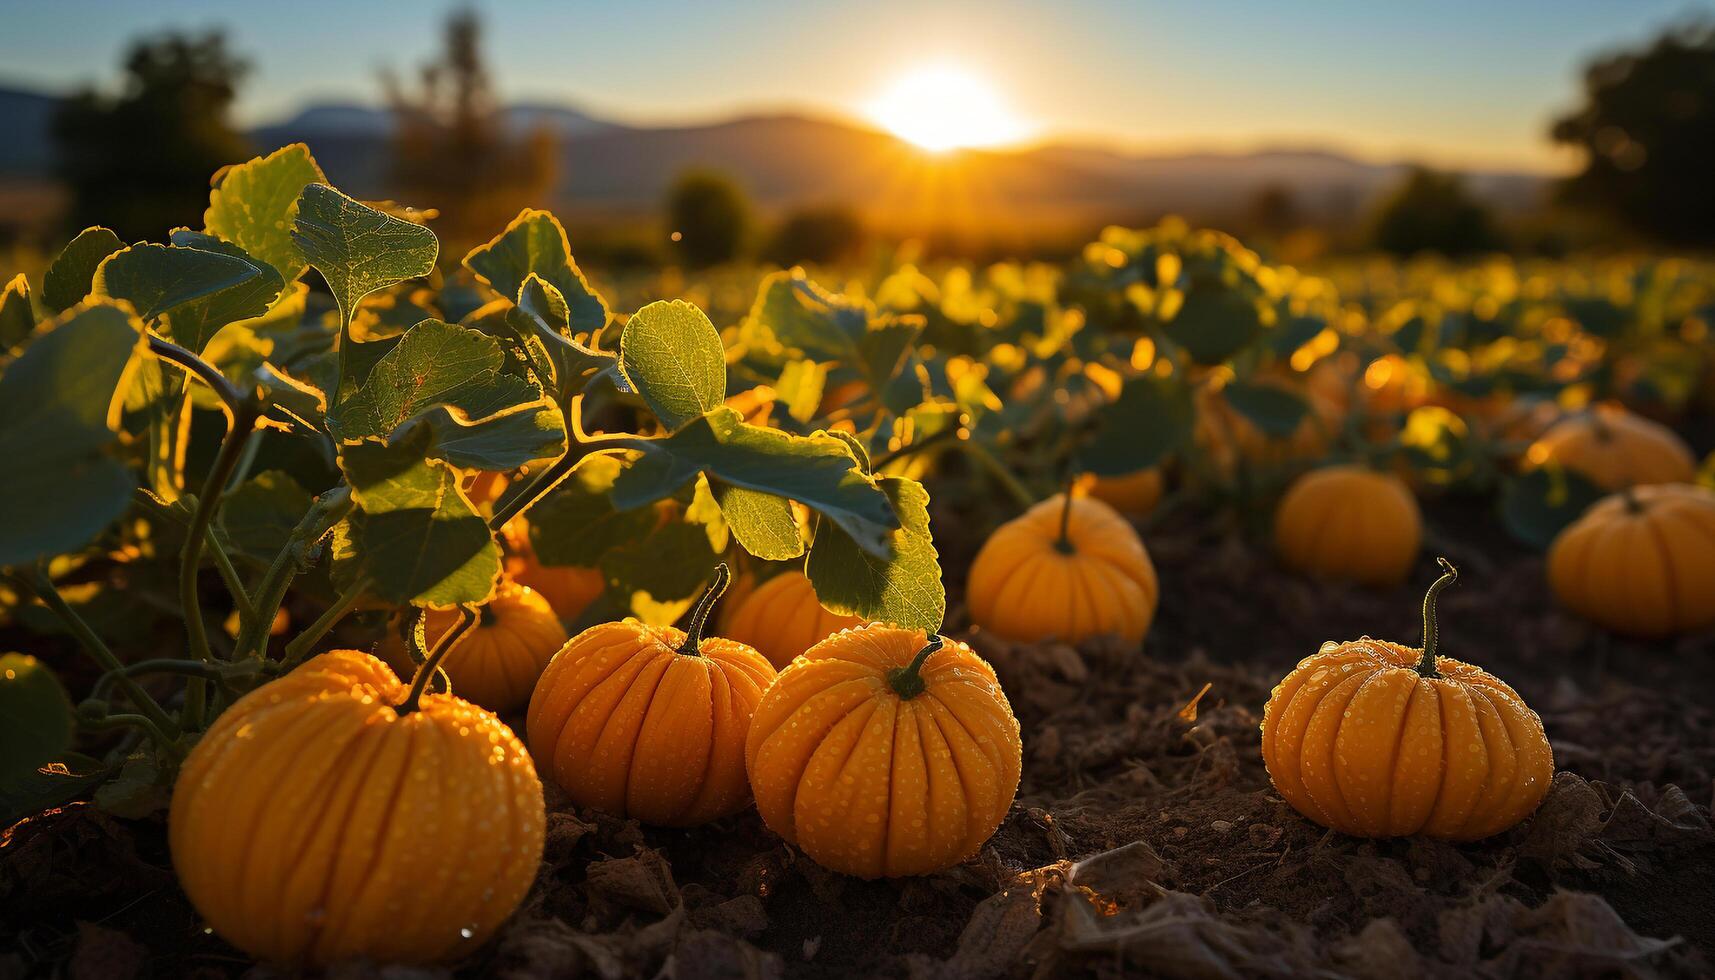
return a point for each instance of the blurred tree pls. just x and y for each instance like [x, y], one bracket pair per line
[451, 148]
[1432, 212]
[1647, 132]
[819, 234]
[708, 217]
[139, 162]
[1273, 211]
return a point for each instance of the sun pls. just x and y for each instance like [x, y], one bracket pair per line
[944, 107]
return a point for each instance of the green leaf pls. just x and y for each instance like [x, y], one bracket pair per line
[576, 523]
[358, 249]
[798, 314]
[539, 324]
[35, 716]
[818, 471]
[672, 356]
[903, 587]
[258, 515]
[452, 378]
[17, 318]
[1538, 504]
[1276, 411]
[188, 293]
[536, 243]
[882, 349]
[1151, 419]
[68, 278]
[763, 523]
[417, 535]
[670, 566]
[1293, 332]
[55, 784]
[800, 387]
[61, 486]
[255, 204]
[1214, 322]
[143, 787]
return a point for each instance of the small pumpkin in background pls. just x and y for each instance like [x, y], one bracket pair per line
[883, 752]
[1614, 449]
[1640, 562]
[569, 589]
[1376, 739]
[1228, 436]
[650, 721]
[1133, 494]
[303, 830]
[1069, 568]
[782, 618]
[497, 663]
[1351, 524]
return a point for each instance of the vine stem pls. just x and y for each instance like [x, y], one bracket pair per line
[580, 445]
[222, 561]
[242, 430]
[1449, 575]
[42, 587]
[432, 663]
[300, 646]
[328, 510]
[907, 681]
[693, 644]
[950, 432]
[999, 471]
[229, 394]
[128, 720]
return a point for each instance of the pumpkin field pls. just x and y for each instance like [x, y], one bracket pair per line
[1165, 610]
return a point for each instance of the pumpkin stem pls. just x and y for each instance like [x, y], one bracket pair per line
[1064, 541]
[907, 681]
[485, 615]
[432, 663]
[693, 645]
[1630, 495]
[1426, 664]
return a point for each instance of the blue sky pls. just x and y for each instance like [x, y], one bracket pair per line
[1454, 82]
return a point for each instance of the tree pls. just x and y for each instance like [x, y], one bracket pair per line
[1647, 132]
[139, 162]
[708, 217]
[1433, 212]
[1273, 211]
[819, 234]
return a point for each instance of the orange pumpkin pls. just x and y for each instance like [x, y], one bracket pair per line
[1376, 739]
[569, 589]
[1134, 494]
[1349, 523]
[317, 822]
[497, 663]
[1614, 449]
[782, 618]
[649, 721]
[883, 752]
[1640, 562]
[1068, 568]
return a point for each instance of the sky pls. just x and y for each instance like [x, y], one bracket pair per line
[1467, 83]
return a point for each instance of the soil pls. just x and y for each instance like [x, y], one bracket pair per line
[1146, 839]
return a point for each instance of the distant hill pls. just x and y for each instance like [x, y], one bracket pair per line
[786, 160]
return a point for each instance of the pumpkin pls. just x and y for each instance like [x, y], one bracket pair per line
[320, 819]
[1349, 523]
[884, 752]
[1133, 494]
[649, 721]
[782, 618]
[1614, 449]
[1640, 562]
[569, 589]
[1068, 568]
[497, 664]
[1376, 739]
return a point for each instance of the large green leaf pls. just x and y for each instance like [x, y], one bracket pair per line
[451, 377]
[256, 203]
[903, 587]
[576, 523]
[763, 523]
[1537, 505]
[1276, 411]
[540, 326]
[672, 356]
[660, 573]
[1151, 419]
[35, 716]
[17, 318]
[536, 243]
[1214, 322]
[798, 314]
[258, 516]
[52, 785]
[68, 278]
[416, 535]
[189, 293]
[356, 248]
[818, 471]
[60, 485]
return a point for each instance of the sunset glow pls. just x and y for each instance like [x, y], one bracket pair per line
[944, 108]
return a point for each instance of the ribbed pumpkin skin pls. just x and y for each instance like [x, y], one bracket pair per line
[1615, 449]
[1356, 740]
[626, 724]
[499, 659]
[1351, 524]
[1646, 567]
[569, 589]
[872, 785]
[1134, 494]
[782, 618]
[1024, 588]
[314, 824]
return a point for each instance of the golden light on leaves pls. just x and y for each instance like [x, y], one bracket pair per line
[944, 107]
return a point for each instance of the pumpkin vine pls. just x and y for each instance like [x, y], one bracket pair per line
[692, 646]
[432, 663]
[1426, 664]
